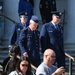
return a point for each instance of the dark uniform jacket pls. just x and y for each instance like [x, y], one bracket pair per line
[14, 38]
[31, 1]
[46, 7]
[29, 42]
[25, 6]
[52, 38]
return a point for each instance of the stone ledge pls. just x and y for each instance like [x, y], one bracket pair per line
[3, 47]
[68, 73]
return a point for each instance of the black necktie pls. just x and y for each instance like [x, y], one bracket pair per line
[56, 26]
[24, 26]
[34, 34]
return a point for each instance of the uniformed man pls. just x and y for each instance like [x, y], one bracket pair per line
[29, 41]
[31, 1]
[52, 37]
[25, 5]
[14, 38]
[46, 7]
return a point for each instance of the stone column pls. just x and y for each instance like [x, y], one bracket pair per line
[70, 28]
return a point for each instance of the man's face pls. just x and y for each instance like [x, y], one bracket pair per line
[34, 25]
[23, 19]
[56, 19]
[51, 58]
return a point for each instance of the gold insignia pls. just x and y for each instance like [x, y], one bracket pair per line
[25, 13]
[60, 13]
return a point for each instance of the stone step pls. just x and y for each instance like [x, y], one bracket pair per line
[3, 47]
[1, 60]
[69, 48]
[3, 53]
[4, 50]
[69, 74]
[72, 49]
[4, 41]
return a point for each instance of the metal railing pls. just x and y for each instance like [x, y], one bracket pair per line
[1, 14]
[71, 60]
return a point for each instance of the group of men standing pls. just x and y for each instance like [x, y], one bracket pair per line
[29, 39]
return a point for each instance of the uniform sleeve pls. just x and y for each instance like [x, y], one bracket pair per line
[20, 6]
[23, 42]
[43, 37]
[13, 36]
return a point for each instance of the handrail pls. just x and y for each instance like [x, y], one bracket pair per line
[70, 56]
[1, 14]
[70, 62]
[65, 54]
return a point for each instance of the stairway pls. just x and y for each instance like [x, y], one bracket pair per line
[70, 49]
[3, 53]
[3, 49]
[68, 46]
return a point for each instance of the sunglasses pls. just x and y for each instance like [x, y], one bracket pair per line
[52, 56]
[25, 65]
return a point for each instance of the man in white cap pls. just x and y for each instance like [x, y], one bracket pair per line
[29, 41]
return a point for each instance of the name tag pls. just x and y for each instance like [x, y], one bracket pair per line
[50, 31]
